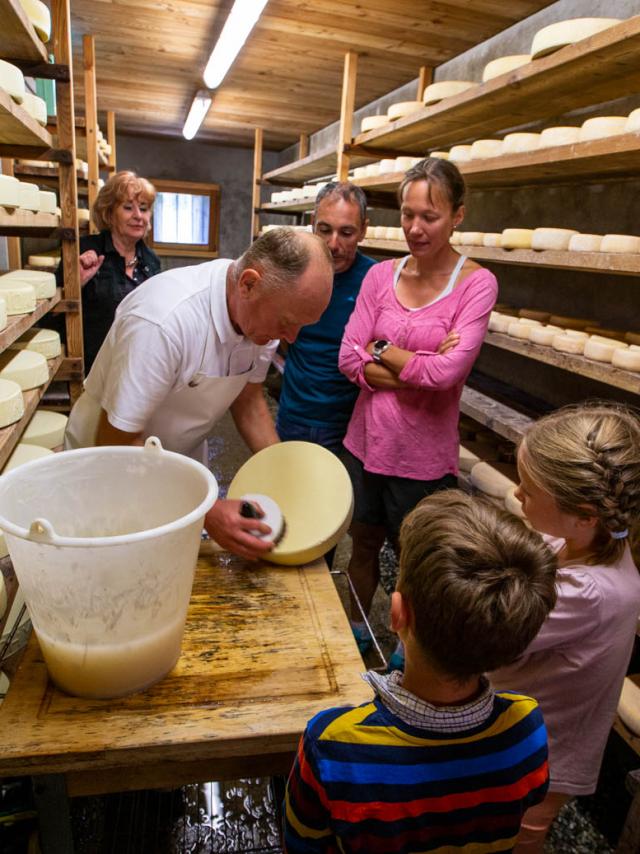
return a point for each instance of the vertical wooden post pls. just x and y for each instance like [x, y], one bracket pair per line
[91, 117]
[61, 14]
[425, 78]
[111, 139]
[303, 145]
[346, 112]
[13, 243]
[257, 176]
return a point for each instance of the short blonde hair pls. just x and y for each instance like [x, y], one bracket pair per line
[118, 189]
[587, 457]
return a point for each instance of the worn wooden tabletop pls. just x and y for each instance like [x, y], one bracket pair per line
[265, 648]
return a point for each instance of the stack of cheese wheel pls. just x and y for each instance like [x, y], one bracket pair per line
[544, 335]
[585, 243]
[43, 283]
[445, 89]
[9, 192]
[471, 238]
[12, 81]
[499, 322]
[566, 343]
[494, 480]
[25, 367]
[563, 33]
[492, 239]
[40, 17]
[19, 296]
[46, 429]
[521, 328]
[11, 402]
[503, 65]
[22, 454]
[44, 341]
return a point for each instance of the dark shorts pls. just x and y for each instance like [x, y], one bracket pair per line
[330, 436]
[384, 500]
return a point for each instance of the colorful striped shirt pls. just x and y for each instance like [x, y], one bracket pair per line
[366, 781]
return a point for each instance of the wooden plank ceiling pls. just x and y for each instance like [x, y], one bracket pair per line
[150, 55]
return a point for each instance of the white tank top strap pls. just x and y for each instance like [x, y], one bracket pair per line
[399, 268]
[454, 275]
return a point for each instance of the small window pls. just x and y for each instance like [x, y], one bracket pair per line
[186, 219]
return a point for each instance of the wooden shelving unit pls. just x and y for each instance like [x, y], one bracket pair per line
[47, 176]
[18, 128]
[19, 222]
[19, 323]
[502, 419]
[315, 166]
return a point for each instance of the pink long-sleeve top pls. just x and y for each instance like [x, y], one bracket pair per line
[413, 432]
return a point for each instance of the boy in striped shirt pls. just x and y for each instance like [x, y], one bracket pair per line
[437, 761]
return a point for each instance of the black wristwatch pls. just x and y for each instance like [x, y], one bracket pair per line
[379, 347]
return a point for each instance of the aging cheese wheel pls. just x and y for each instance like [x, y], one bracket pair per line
[471, 238]
[608, 339]
[568, 344]
[513, 143]
[387, 165]
[520, 330]
[626, 358]
[403, 163]
[544, 335]
[503, 65]
[19, 296]
[512, 504]
[551, 137]
[551, 238]
[585, 243]
[43, 341]
[563, 33]
[633, 121]
[441, 155]
[620, 243]
[499, 322]
[534, 314]
[11, 402]
[3, 313]
[460, 153]
[517, 238]
[46, 429]
[491, 480]
[29, 196]
[577, 333]
[598, 350]
[84, 215]
[24, 367]
[373, 123]
[373, 169]
[40, 16]
[403, 108]
[36, 107]
[9, 191]
[602, 126]
[484, 148]
[380, 232]
[445, 89]
[25, 454]
[454, 240]
[467, 459]
[48, 201]
[492, 239]
[12, 81]
[358, 172]
[43, 282]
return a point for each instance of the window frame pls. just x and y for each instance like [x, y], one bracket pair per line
[190, 250]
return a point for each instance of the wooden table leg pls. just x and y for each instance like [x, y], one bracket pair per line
[54, 816]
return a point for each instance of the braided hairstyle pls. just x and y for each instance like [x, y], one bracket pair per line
[587, 457]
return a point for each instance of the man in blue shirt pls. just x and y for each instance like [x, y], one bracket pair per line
[316, 400]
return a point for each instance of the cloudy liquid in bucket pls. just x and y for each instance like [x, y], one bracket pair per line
[102, 671]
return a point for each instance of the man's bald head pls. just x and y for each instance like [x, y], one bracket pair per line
[282, 255]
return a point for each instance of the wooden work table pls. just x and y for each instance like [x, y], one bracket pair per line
[265, 648]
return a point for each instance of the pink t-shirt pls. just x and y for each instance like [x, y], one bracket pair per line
[576, 665]
[413, 432]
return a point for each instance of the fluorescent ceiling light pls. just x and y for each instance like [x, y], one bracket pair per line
[199, 109]
[238, 25]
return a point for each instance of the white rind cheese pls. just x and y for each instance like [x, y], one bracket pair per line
[568, 344]
[551, 238]
[492, 239]
[460, 153]
[520, 330]
[490, 481]
[550, 137]
[43, 341]
[585, 243]
[633, 121]
[627, 243]
[3, 313]
[29, 196]
[516, 238]
[544, 335]
[48, 201]
[387, 166]
[19, 297]
[9, 191]
[512, 504]
[482, 149]
[403, 108]
[28, 369]
[563, 33]
[626, 358]
[12, 81]
[503, 65]
[513, 143]
[11, 403]
[40, 16]
[441, 155]
[445, 89]
[373, 123]
[46, 429]
[471, 238]
[602, 126]
[598, 350]
[467, 459]
[44, 283]
[499, 322]
[36, 107]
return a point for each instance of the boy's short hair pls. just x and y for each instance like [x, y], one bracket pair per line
[479, 582]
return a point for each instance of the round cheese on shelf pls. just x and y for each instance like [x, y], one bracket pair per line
[373, 123]
[440, 155]
[454, 240]
[598, 350]
[467, 459]
[296, 194]
[9, 191]
[544, 335]
[534, 314]
[19, 296]
[576, 333]
[626, 358]
[471, 238]
[373, 169]
[46, 429]
[516, 238]
[36, 107]
[370, 232]
[84, 215]
[492, 239]
[11, 402]
[520, 330]
[403, 163]
[551, 137]
[633, 121]
[568, 344]
[43, 341]
[503, 65]
[403, 108]
[608, 340]
[602, 126]
[12, 81]
[551, 238]
[620, 243]
[490, 480]
[359, 172]
[481, 149]
[513, 143]
[390, 233]
[48, 201]
[44, 283]
[512, 504]
[585, 243]
[499, 322]
[387, 165]
[445, 89]
[380, 232]
[563, 33]
[29, 196]
[40, 17]
[460, 153]
[24, 367]
[25, 454]
[3, 313]
[5, 683]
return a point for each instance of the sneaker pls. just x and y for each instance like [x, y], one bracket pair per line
[362, 638]
[396, 661]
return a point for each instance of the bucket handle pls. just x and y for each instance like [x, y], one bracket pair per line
[153, 445]
[41, 531]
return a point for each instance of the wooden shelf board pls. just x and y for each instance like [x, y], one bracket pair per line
[45, 174]
[10, 436]
[390, 247]
[22, 223]
[18, 38]
[502, 419]
[287, 208]
[600, 371]
[594, 70]
[313, 166]
[19, 323]
[17, 127]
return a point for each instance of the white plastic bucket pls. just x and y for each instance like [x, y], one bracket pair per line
[104, 542]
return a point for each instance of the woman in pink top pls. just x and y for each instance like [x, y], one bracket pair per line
[580, 484]
[412, 339]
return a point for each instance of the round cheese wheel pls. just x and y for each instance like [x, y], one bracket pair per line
[390, 233]
[585, 243]
[544, 335]
[503, 65]
[373, 169]
[43, 341]
[19, 296]
[576, 333]
[3, 313]
[380, 232]
[467, 459]
[29, 196]
[454, 240]
[481, 149]
[24, 367]
[551, 238]
[48, 201]
[297, 194]
[513, 143]
[627, 358]
[490, 480]
[12, 81]
[387, 165]
[499, 322]
[598, 350]
[620, 243]
[403, 163]
[370, 232]
[358, 172]
[25, 454]
[373, 123]
[460, 153]
[534, 314]
[602, 126]
[563, 33]
[9, 191]
[44, 283]
[471, 238]
[11, 402]
[445, 89]
[606, 339]
[633, 121]
[46, 429]
[516, 238]
[629, 705]
[568, 344]
[492, 239]
[84, 214]
[36, 107]
[551, 137]
[512, 504]
[40, 17]
[520, 330]
[403, 108]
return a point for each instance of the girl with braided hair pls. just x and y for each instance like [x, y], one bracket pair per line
[579, 473]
